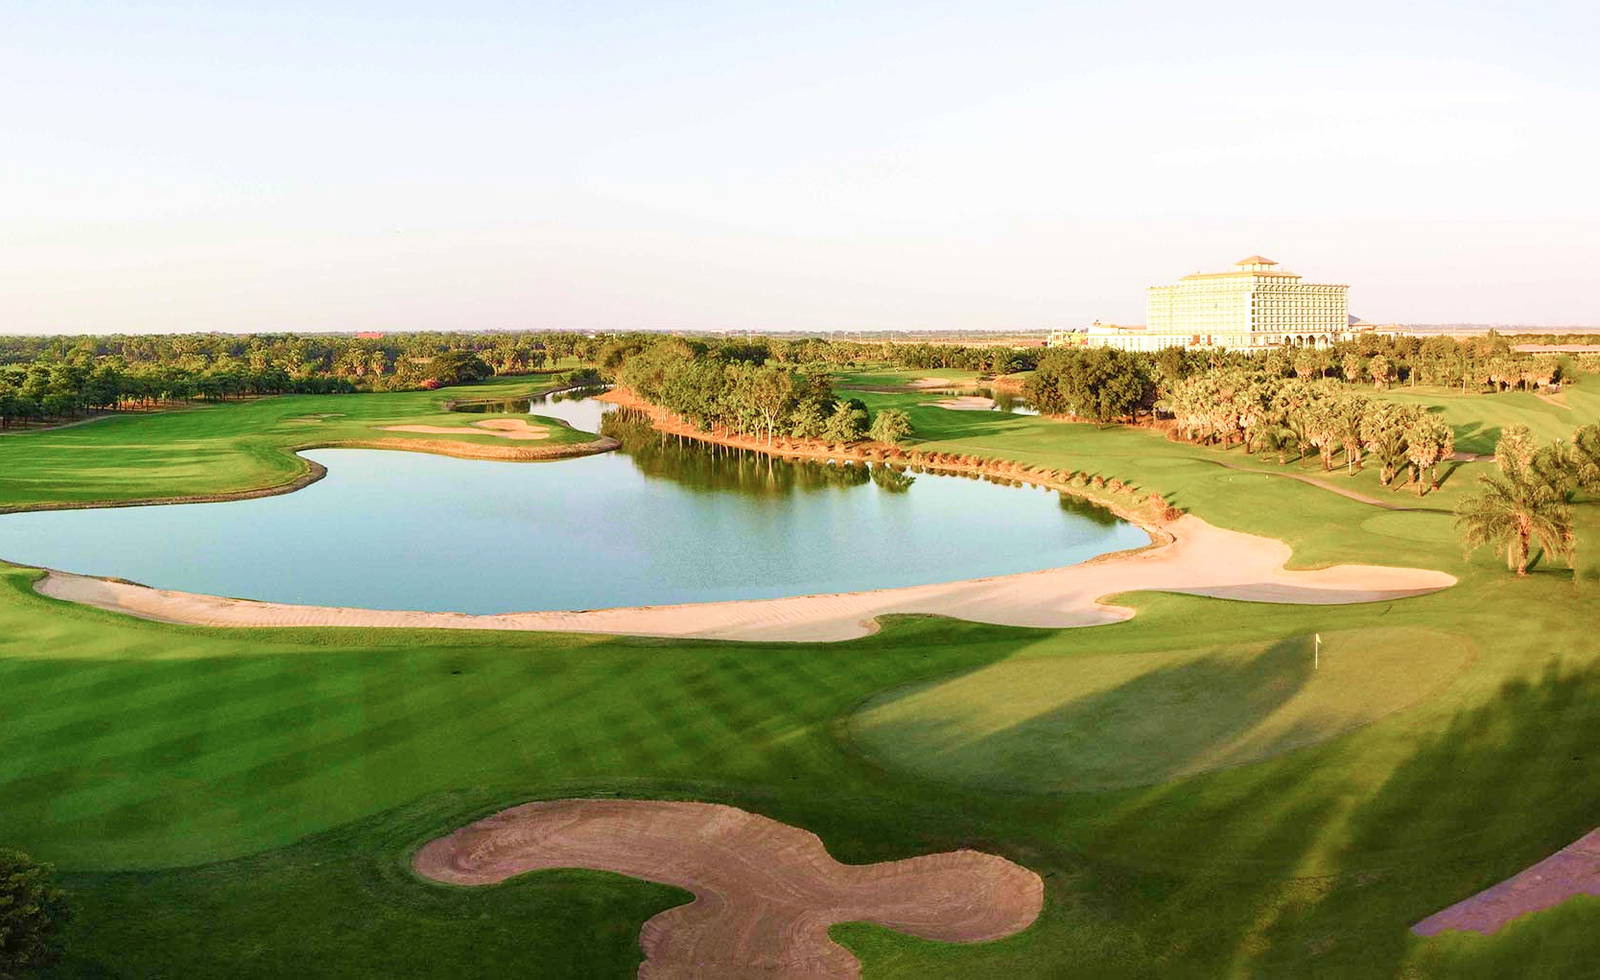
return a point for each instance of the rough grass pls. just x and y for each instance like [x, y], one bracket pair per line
[242, 802]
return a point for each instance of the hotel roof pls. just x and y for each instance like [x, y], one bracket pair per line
[1237, 274]
[1256, 260]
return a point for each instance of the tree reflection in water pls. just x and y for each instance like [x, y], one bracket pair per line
[708, 466]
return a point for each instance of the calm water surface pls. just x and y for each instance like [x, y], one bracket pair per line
[662, 521]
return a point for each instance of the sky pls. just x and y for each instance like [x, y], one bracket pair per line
[605, 165]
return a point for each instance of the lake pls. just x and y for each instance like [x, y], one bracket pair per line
[664, 520]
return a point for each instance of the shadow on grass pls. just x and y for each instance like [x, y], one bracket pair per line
[1504, 786]
[1004, 728]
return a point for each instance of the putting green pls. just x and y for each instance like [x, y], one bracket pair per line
[1429, 527]
[1078, 723]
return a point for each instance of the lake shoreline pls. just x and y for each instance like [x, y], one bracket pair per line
[1184, 554]
[1196, 559]
[1150, 513]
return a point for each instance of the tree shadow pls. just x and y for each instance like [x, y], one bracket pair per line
[1474, 437]
[1502, 787]
[1162, 724]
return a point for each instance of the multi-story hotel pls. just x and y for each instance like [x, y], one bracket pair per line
[1258, 305]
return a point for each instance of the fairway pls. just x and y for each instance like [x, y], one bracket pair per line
[1479, 419]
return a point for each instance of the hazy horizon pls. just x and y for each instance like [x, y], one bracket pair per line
[881, 166]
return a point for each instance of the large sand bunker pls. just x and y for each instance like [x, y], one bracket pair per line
[503, 428]
[1200, 560]
[765, 892]
[1574, 870]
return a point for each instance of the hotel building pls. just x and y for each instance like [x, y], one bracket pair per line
[1257, 305]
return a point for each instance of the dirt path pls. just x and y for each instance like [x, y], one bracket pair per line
[1574, 870]
[1198, 559]
[765, 892]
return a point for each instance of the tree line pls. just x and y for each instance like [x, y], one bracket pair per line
[749, 393]
[1485, 363]
[1263, 412]
[44, 379]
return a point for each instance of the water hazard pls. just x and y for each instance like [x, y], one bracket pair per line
[663, 520]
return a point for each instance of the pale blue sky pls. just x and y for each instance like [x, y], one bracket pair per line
[405, 165]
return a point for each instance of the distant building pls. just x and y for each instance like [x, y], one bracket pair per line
[1580, 349]
[370, 335]
[1256, 306]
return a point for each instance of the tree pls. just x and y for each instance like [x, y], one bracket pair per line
[1308, 364]
[1429, 442]
[1258, 417]
[1322, 429]
[1348, 412]
[848, 423]
[1515, 448]
[454, 367]
[33, 911]
[1380, 370]
[1512, 511]
[1585, 457]
[808, 420]
[1100, 384]
[890, 425]
[1383, 434]
[767, 392]
[1354, 367]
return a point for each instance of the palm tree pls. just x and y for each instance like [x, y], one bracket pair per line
[1347, 414]
[1383, 434]
[1585, 456]
[1514, 448]
[1429, 442]
[1513, 511]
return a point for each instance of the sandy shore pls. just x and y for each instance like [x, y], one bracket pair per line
[766, 893]
[1199, 559]
[501, 428]
[965, 403]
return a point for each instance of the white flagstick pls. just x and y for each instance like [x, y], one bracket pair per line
[1316, 654]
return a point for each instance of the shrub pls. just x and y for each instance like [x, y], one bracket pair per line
[33, 910]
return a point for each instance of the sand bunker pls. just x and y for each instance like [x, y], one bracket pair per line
[315, 418]
[1200, 560]
[965, 403]
[765, 892]
[1574, 870]
[502, 428]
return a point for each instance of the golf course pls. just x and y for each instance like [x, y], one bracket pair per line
[1205, 787]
